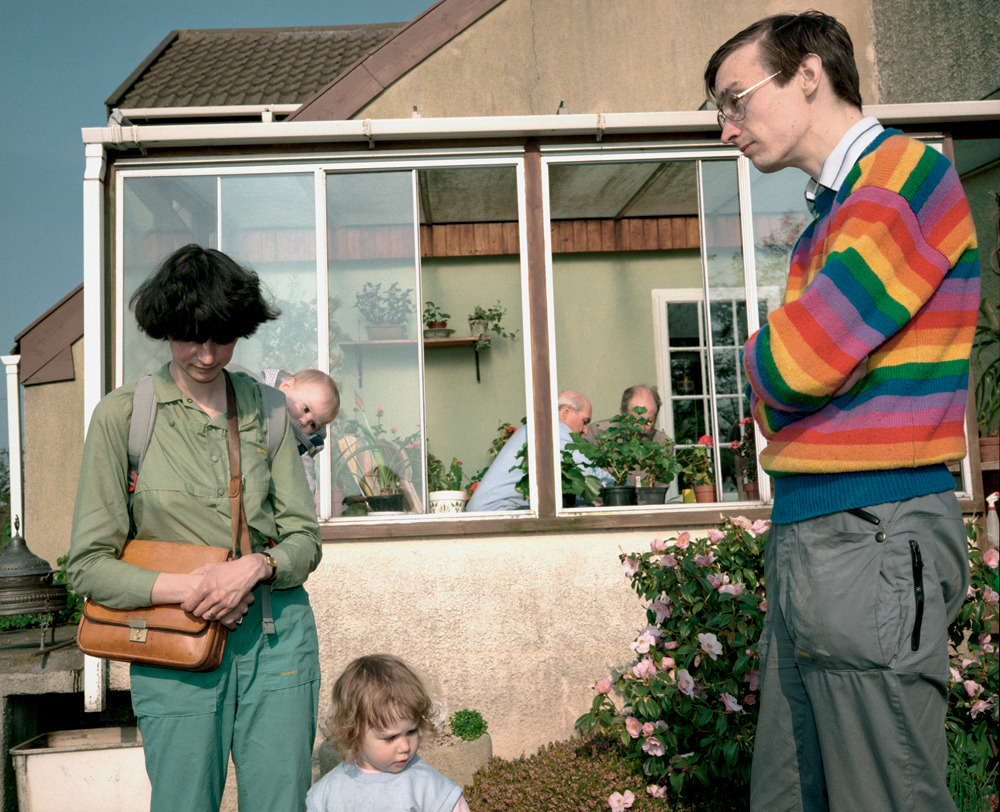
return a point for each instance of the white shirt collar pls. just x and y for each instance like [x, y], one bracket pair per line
[843, 157]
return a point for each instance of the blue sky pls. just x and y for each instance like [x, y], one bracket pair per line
[59, 61]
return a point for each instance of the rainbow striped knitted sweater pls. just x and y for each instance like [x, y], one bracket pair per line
[887, 277]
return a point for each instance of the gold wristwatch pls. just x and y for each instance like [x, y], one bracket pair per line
[274, 568]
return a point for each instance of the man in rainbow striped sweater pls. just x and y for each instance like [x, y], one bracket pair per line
[858, 382]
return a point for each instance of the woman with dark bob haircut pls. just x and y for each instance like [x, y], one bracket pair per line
[260, 705]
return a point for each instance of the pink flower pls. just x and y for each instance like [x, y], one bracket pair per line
[972, 688]
[359, 402]
[956, 676]
[619, 802]
[657, 545]
[730, 703]
[379, 411]
[734, 445]
[669, 561]
[648, 729]
[742, 522]
[717, 580]
[654, 747]
[671, 645]
[763, 605]
[706, 440]
[758, 527]
[991, 558]
[666, 662]
[633, 727]
[683, 541]
[733, 589]
[657, 791]
[715, 535]
[644, 642]
[746, 421]
[750, 699]
[662, 609]
[704, 560]
[630, 566]
[991, 597]
[644, 668]
[603, 686]
[710, 645]
[685, 682]
[981, 705]
[753, 678]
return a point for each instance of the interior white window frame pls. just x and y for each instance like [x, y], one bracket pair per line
[321, 168]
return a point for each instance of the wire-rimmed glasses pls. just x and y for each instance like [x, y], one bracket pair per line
[734, 108]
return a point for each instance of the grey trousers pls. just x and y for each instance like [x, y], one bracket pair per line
[854, 665]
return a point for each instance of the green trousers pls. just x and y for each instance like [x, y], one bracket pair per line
[260, 705]
[854, 662]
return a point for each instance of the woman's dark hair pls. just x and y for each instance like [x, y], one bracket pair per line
[786, 39]
[199, 294]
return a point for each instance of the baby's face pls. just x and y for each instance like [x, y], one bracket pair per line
[390, 750]
[308, 404]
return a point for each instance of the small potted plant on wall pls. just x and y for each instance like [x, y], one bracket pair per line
[485, 322]
[435, 321]
[444, 485]
[386, 311]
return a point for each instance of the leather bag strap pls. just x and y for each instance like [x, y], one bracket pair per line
[241, 532]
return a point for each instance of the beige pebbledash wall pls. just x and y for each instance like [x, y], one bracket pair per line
[519, 628]
[525, 57]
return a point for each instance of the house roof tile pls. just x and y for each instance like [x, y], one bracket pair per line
[246, 66]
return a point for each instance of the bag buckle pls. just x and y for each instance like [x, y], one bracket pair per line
[136, 630]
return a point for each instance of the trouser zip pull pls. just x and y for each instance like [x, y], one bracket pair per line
[918, 593]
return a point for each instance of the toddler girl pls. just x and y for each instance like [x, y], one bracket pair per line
[380, 708]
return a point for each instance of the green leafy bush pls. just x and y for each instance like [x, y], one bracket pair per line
[690, 700]
[467, 724]
[972, 702]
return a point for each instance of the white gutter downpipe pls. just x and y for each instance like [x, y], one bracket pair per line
[95, 671]
[13, 365]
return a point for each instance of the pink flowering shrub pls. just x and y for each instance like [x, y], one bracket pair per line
[688, 703]
[690, 700]
[972, 702]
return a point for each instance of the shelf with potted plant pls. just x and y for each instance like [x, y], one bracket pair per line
[485, 322]
[386, 313]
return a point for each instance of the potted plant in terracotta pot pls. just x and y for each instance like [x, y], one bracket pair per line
[435, 321]
[444, 485]
[697, 469]
[745, 459]
[386, 311]
[485, 322]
